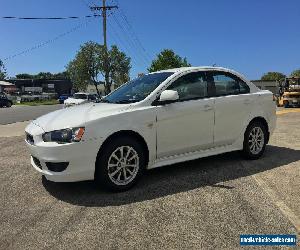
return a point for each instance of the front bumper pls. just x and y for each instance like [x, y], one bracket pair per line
[80, 156]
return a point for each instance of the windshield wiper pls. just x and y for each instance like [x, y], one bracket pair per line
[104, 101]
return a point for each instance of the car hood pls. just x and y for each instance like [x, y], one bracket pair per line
[74, 101]
[77, 115]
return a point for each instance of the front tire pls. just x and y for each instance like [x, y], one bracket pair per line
[120, 164]
[255, 140]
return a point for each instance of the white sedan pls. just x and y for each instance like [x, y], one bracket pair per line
[158, 119]
[79, 98]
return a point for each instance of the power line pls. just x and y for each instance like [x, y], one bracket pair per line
[44, 43]
[130, 44]
[91, 3]
[124, 45]
[104, 8]
[129, 41]
[48, 18]
[85, 3]
[131, 31]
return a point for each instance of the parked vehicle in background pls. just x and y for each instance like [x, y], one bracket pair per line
[158, 119]
[289, 92]
[94, 98]
[62, 98]
[4, 101]
[79, 98]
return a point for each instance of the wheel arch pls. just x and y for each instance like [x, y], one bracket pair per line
[130, 133]
[264, 122]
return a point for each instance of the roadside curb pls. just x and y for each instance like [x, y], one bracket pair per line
[13, 129]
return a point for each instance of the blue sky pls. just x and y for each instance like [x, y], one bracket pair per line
[251, 37]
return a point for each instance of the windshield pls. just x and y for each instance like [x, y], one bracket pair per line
[137, 89]
[80, 96]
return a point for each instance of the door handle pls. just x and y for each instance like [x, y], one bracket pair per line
[247, 101]
[207, 107]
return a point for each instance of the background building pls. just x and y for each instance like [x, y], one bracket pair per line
[273, 86]
[7, 87]
[58, 87]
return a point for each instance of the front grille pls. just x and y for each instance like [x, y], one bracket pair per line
[37, 162]
[29, 138]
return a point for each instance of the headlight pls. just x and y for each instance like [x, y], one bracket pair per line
[64, 135]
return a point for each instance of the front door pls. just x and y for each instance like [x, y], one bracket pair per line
[186, 125]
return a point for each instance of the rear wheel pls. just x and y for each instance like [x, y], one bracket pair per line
[120, 164]
[9, 104]
[255, 140]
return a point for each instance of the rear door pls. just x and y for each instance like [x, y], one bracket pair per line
[233, 105]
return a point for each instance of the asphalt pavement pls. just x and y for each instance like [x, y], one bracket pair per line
[202, 204]
[25, 113]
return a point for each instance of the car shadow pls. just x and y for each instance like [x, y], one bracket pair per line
[177, 178]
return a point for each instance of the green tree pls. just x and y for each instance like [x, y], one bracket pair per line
[119, 67]
[24, 76]
[44, 75]
[296, 73]
[88, 66]
[273, 76]
[2, 71]
[61, 76]
[167, 59]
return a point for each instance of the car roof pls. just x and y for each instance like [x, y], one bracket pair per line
[183, 69]
[201, 68]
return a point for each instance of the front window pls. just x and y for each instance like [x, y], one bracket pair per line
[191, 86]
[137, 89]
[80, 96]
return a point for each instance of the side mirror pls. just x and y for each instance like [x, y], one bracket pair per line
[168, 96]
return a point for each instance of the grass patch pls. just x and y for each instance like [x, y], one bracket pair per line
[37, 103]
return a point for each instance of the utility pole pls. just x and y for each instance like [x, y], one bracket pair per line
[104, 9]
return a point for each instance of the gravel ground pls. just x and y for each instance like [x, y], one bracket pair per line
[202, 204]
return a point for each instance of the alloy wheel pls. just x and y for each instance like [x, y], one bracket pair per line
[123, 165]
[256, 140]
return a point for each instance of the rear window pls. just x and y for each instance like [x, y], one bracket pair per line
[228, 84]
